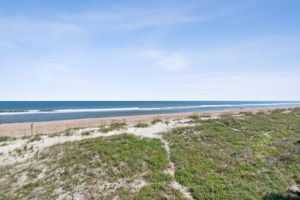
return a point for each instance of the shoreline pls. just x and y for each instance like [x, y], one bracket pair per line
[49, 127]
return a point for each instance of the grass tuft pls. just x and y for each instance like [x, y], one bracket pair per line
[34, 138]
[141, 125]
[6, 138]
[113, 127]
[156, 121]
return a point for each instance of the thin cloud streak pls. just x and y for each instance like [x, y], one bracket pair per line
[119, 18]
[128, 19]
[241, 85]
[168, 61]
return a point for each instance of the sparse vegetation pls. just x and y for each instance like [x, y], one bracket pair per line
[244, 157]
[141, 125]
[85, 133]
[54, 135]
[112, 127]
[70, 132]
[194, 117]
[34, 138]
[6, 139]
[105, 167]
[156, 121]
[254, 157]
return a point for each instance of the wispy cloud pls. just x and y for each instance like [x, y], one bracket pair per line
[50, 71]
[17, 25]
[28, 33]
[246, 85]
[261, 53]
[123, 18]
[168, 61]
[119, 18]
[128, 19]
[238, 80]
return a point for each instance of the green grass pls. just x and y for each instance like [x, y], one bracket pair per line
[86, 133]
[254, 157]
[68, 132]
[156, 121]
[54, 135]
[194, 117]
[6, 139]
[113, 127]
[141, 125]
[91, 162]
[34, 138]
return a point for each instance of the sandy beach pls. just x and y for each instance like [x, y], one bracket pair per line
[48, 127]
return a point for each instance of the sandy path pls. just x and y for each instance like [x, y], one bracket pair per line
[171, 171]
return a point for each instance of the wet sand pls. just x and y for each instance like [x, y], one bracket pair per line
[26, 129]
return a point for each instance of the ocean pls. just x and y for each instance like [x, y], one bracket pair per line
[34, 111]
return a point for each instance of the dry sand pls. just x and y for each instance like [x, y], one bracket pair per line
[24, 129]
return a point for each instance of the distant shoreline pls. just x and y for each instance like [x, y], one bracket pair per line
[48, 127]
[23, 112]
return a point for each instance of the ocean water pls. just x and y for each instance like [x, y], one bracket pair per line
[34, 111]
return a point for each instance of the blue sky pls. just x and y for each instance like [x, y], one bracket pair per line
[149, 50]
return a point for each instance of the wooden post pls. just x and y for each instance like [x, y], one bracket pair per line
[31, 128]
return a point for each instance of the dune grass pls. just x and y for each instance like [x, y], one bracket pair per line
[113, 127]
[99, 168]
[156, 121]
[6, 139]
[141, 125]
[253, 157]
[34, 138]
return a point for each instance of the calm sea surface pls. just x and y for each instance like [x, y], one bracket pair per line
[33, 111]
